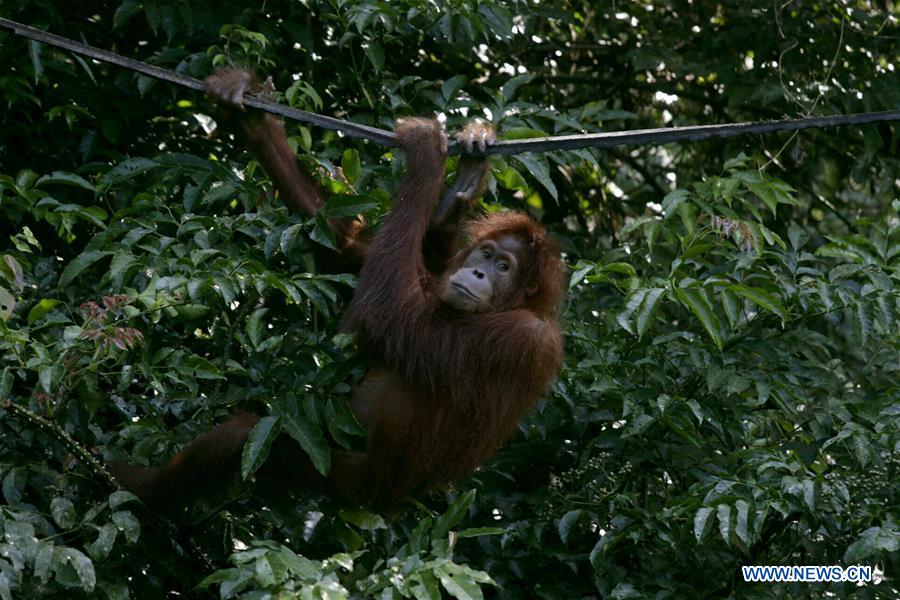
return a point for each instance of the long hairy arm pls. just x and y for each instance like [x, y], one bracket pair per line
[390, 288]
[266, 137]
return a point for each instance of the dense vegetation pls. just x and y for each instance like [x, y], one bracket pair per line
[731, 390]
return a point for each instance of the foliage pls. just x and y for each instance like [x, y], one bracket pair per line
[730, 394]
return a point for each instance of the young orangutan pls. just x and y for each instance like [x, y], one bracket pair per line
[463, 337]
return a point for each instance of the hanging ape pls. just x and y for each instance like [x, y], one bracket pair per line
[463, 337]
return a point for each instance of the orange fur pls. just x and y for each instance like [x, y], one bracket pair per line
[446, 388]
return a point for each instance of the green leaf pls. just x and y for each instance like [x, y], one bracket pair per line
[458, 585]
[124, 12]
[455, 513]
[13, 484]
[741, 161]
[839, 251]
[6, 383]
[79, 264]
[117, 590]
[65, 178]
[724, 514]
[258, 444]
[308, 435]
[25, 179]
[631, 305]
[341, 206]
[256, 327]
[199, 367]
[192, 311]
[810, 493]
[94, 214]
[21, 535]
[301, 93]
[34, 53]
[766, 194]
[510, 178]
[540, 169]
[863, 323]
[100, 548]
[313, 294]
[224, 288]
[322, 232]
[7, 304]
[568, 522]
[731, 306]
[375, 54]
[797, 236]
[581, 270]
[119, 498]
[229, 579]
[617, 267]
[121, 262]
[73, 569]
[220, 192]
[874, 542]
[341, 422]
[6, 589]
[127, 169]
[363, 519]
[741, 521]
[12, 271]
[647, 309]
[640, 306]
[350, 165]
[672, 200]
[128, 524]
[301, 566]
[479, 531]
[424, 586]
[265, 569]
[700, 520]
[63, 512]
[48, 376]
[498, 18]
[695, 299]
[452, 86]
[509, 88]
[761, 298]
[343, 560]
[43, 561]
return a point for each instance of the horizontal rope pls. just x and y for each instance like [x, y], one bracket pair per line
[635, 137]
[386, 138]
